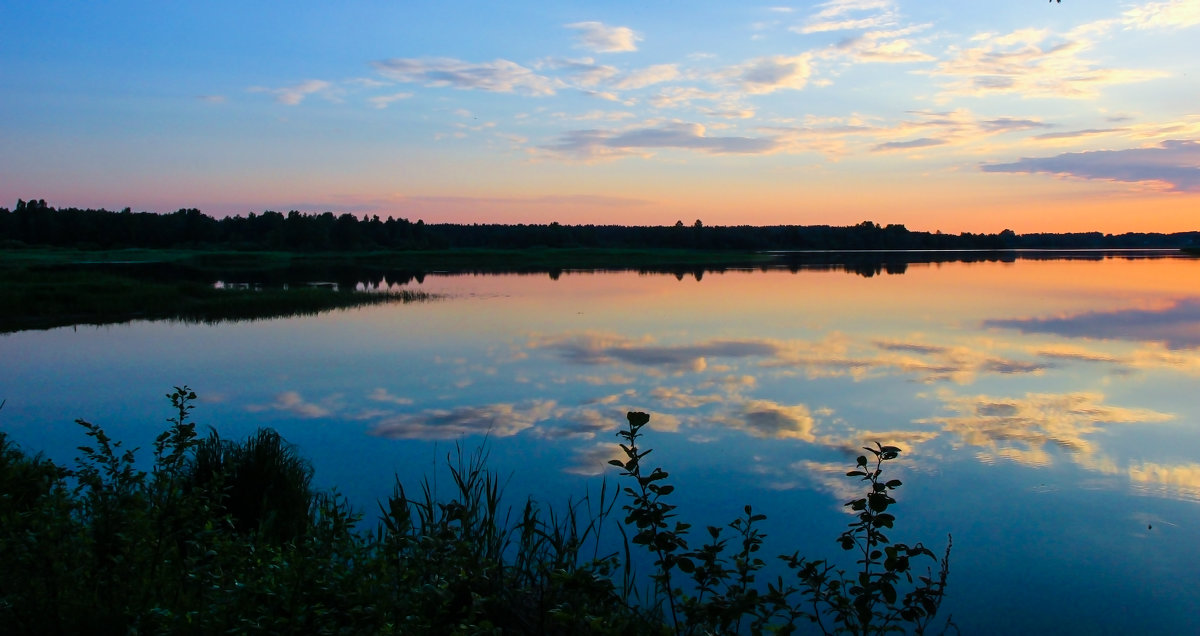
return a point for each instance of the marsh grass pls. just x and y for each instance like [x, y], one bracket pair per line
[223, 536]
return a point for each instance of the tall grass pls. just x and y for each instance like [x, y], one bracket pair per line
[229, 536]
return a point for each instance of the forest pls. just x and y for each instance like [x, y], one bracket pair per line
[34, 222]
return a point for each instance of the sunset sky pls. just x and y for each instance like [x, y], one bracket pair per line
[952, 116]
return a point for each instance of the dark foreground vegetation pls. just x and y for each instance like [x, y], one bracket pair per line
[34, 222]
[227, 536]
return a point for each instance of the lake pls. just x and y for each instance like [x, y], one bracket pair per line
[1046, 405]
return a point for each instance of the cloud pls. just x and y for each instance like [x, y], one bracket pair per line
[585, 71]
[292, 402]
[1174, 164]
[1021, 429]
[1174, 14]
[594, 460]
[1176, 325]
[841, 15]
[1075, 134]
[602, 38]
[497, 76]
[886, 47]
[600, 144]
[770, 420]
[648, 76]
[768, 74]
[598, 348]
[1168, 479]
[500, 420]
[924, 142]
[838, 355]
[382, 395]
[677, 398]
[1031, 63]
[1008, 124]
[383, 101]
[294, 94]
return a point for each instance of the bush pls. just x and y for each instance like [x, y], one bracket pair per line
[224, 536]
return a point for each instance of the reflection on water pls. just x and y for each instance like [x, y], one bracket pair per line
[1046, 405]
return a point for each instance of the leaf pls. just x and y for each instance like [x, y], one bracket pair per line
[895, 483]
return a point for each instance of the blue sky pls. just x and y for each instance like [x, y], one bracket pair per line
[953, 116]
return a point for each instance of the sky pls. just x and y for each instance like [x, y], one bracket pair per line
[952, 116]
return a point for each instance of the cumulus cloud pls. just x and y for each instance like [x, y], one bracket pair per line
[500, 420]
[594, 460]
[1173, 164]
[602, 38]
[770, 420]
[768, 74]
[497, 76]
[1167, 479]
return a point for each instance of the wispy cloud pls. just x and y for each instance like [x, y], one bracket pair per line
[497, 76]
[606, 144]
[1176, 325]
[296, 93]
[1032, 63]
[292, 402]
[601, 348]
[842, 15]
[500, 420]
[383, 101]
[924, 142]
[1171, 15]
[1174, 165]
[599, 37]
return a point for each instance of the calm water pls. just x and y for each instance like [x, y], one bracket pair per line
[1047, 409]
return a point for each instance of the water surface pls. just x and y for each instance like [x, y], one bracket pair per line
[1046, 406]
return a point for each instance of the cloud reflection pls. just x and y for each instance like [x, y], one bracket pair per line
[1177, 324]
[498, 420]
[769, 420]
[1022, 429]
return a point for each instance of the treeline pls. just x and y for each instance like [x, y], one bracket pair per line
[36, 223]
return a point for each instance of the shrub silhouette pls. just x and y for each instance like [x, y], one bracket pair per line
[230, 537]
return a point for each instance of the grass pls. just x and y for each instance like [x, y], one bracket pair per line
[195, 546]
